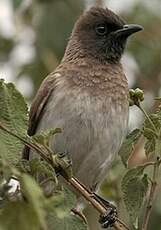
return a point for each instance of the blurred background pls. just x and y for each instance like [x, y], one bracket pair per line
[33, 36]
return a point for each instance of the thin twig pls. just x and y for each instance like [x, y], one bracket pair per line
[151, 194]
[87, 194]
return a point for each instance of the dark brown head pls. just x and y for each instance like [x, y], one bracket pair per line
[101, 34]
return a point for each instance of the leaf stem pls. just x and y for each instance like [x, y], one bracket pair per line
[148, 118]
[151, 194]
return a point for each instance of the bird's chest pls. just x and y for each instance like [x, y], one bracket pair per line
[85, 118]
[92, 130]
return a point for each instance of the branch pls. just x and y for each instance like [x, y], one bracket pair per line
[151, 194]
[87, 194]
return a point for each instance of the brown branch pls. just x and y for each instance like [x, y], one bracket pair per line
[151, 194]
[87, 194]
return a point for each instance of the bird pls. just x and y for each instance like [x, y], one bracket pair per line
[87, 96]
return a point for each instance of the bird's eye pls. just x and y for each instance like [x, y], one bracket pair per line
[101, 29]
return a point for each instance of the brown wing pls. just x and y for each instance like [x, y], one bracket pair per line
[37, 108]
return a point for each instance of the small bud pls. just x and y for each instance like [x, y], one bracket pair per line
[131, 92]
[139, 94]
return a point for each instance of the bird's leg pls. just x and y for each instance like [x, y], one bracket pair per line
[108, 219]
[80, 214]
[65, 163]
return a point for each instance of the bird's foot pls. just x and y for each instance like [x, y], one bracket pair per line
[108, 219]
[64, 163]
[80, 214]
[63, 154]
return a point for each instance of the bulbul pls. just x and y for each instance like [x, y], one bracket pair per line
[87, 96]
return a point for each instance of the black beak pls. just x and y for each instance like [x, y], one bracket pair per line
[127, 30]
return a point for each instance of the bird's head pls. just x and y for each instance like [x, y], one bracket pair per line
[102, 34]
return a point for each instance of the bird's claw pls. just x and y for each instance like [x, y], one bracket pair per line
[64, 163]
[63, 154]
[107, 220]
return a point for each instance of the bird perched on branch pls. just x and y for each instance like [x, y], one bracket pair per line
[87, 96]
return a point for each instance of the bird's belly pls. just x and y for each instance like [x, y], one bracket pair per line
[91, 133]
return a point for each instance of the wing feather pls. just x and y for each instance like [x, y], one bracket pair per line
[37, 108]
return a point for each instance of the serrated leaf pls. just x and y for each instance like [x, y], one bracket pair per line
[24, 214]
[134, 187]
[44, 136]
[149, 146]
[35, 197]
[151, 132]
[42, 167]
[13, 116]
[72, 223]
[63, 219]
[23, 166]
[128, 145]
[45, 175]
[18, 215]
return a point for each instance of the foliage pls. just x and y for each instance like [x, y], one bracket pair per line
[51, 22]
[135, 182]
[38, 201]
[14, 116]
[129, 145]
[134, 187]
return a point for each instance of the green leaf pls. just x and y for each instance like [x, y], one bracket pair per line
[29, 213]
[42, 167]
[45, 175]
[148, 130]
[134, 186]
[151, 133]
[43, 137]
[13, 116]
[67, 223]
[18, 215]
[128, 145]
[62, 218]
[149, 146]
[35, 198]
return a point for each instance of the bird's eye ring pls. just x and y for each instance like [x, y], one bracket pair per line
[101, 29]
